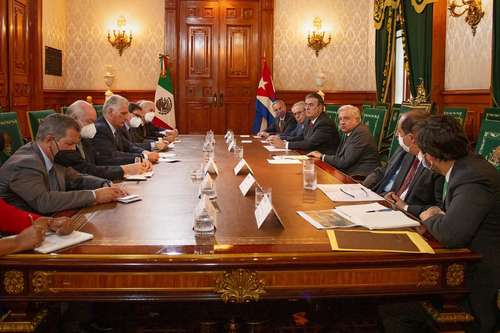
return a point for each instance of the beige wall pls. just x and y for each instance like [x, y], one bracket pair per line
[348, 61]
[54, 35]
[85, 24]
[468, 57]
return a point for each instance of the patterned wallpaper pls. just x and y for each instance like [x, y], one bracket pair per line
[54, 35]
[468, 58]
[348, 62]
[87, 50]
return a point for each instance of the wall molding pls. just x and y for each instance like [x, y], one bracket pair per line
[55, 98]
[356, 98]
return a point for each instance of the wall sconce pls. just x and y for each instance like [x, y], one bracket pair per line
[316, 38]
[473, 10]
[120, 41]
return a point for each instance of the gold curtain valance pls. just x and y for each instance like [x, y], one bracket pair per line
[419, 5]
[379, 10]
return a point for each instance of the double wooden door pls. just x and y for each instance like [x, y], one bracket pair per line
[219, 61]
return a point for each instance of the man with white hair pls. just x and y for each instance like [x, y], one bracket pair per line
[147, 113]
[111, 147]
[83, 158]
[357, 154]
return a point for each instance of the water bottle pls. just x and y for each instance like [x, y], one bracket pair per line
[203, 222]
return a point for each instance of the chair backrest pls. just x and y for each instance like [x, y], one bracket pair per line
[491, 114]
[98, 110]
[458, 113]
[405, 107]
[332, 112]
[65, 109]
[9, 127]
[488, 143]
[374, 118]
[34, 119]
[393, 121]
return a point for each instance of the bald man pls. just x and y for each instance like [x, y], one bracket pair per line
[147, 113]
[284, 122]
[357, 154]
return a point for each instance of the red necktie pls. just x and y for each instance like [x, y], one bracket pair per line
[409, 177]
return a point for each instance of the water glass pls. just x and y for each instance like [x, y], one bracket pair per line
[238, 152]
[260, 192]
[208, 189]
[309, 175]
[203, 222]
[197, 174]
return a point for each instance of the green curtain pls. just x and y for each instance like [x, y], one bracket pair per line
[417, 41]
[385, 37]
[495, 73]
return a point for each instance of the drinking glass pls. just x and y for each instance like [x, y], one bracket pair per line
[309, 175]
[238, 152]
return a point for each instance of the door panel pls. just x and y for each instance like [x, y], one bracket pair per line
[198, 66]
[239, 62]
[4, 72]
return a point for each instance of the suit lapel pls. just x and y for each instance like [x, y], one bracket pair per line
[60, 177]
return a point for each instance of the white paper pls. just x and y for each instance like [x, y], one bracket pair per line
[244, 136]
[256, 136]
[263, 210]
[166, 155]
[246, 141]
[247, 184]
[349, 192]
[167, 160]
[231, 146]
[135, 177]
[56, 242]
[178, 140]
[376, 216]
[274, 149]
[129, 198]
[264, 141]
[171, 145]
[283, 161]
[291, 157]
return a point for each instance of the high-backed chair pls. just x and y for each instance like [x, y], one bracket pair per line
[332, 112]
[98, 110]
[34, 119]
[9, 127]
[374, 118]
[491, 114]
[488, 142]
[458, 113]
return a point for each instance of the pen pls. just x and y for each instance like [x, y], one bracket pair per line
[379, 210]
[349, 194]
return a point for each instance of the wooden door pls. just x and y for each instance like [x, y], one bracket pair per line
[239, 60]
[198, 63]
[19, 56]
[4, 69]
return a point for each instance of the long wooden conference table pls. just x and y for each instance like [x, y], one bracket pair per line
[147, 250]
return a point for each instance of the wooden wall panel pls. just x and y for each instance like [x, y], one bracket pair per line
[356, 98]
[200, 55]
[4, 73]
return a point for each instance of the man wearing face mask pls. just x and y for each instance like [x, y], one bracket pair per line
[83, 158]
[135, 131]
[405, 181]
[284, 122]
[30, 180]
[471, 210]
[110, 145]
[147, 113]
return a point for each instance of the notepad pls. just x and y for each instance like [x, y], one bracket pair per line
[349, 192]
[56, 242]
[129, 198]
[291, 157]
[274, 149]
[283, 161]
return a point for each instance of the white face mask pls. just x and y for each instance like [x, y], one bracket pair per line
[149, 116]
[402, 144]
[135, 122]
[88, 131]
[422, 160]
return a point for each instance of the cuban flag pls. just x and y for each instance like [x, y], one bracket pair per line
[264, 114]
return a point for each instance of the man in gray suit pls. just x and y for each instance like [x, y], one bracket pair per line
[357, 154]
[30, 179]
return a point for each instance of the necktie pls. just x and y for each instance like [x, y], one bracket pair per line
[80, 149]
[117, 140]
[280, 125]
[445, 188]
[409, 177]
[53, 183]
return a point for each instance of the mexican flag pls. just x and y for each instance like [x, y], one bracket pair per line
[164, 97]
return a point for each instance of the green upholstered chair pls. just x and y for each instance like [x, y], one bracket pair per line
[34, 119]
[374, 118]
[332, 112]
[98, 110]
[491, 114]
[458, 113]
[9, 127]
[65, 109]
[488, 143]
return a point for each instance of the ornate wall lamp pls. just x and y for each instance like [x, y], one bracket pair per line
[316, 38]
[472, 9]
[120, 40]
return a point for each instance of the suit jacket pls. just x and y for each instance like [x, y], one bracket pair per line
[424, 191]
[472, 219]
[135, 139]
[357, 155]
[321, 136]
[153, 132]
[111, 150]
[289, 125]
[24, 183]
[297, 131]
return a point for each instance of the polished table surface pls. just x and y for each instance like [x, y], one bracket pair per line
[147, 250]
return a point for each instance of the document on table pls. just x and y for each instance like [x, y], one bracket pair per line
[326, 219]
[283, 161]
[274, 149]
[349, 192]
[142, 176]
[54, 242]
[376, 216]
[166, 155]
[291, 157]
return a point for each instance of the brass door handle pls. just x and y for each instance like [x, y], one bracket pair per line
[221, 99]
[214, 100]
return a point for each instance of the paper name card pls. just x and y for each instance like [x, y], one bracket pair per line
[263, 210]
[242, 166]
[247, 184]
[231, 146]
[56, 242]
[244, 136]
[256, 136]
[211, 168]
[227, 135]
[246, 141]
[283, 161]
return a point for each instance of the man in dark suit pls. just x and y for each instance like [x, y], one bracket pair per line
[30, 180]
[358, 153]
[320, 133]
[284, 122]
[147, 114]
[83, 158]
[110, 145]
[135, 130]
[404, 181]
[299, 113]
[471, 210]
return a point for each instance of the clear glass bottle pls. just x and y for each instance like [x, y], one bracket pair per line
[203, 222]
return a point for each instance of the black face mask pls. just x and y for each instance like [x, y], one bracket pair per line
[68, 158]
